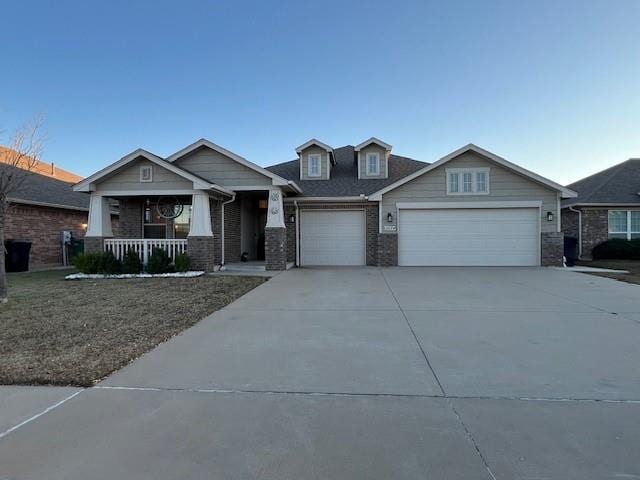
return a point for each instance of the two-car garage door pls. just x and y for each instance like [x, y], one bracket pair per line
[469, 237]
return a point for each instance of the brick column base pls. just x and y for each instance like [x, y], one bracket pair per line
[201, 252]
[93, 244]
[275, 248]
[387, 249]
[551, 249]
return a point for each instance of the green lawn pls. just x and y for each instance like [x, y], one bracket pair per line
[61, 332]
[632, 266]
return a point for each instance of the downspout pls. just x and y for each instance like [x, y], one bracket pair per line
[233, 199]
[579, 212]
[295, 203]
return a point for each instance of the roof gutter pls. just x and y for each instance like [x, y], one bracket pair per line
[359, 199]
[571, 209]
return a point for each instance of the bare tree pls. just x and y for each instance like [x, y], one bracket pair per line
[16, 161]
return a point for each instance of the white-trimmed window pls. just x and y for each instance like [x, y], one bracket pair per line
[373, 163]
[624, 224]
[314, 169]
[146, 173]
[467, 181]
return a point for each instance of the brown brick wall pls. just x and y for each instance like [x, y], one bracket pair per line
[43, 226]
[216, 226]
[275, 248]
[569, 222]
[201, 252]
[130, 217]
[387, 249]
[232, 232]
[291, 232]
[551, 249]
[595, 230]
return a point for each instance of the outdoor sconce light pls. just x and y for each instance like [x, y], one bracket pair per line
[390, 217]
[549, 216]
[292, 218]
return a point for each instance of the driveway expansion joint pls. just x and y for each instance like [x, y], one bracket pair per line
[415, 337]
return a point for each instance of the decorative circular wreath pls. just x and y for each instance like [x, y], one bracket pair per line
[169, 207]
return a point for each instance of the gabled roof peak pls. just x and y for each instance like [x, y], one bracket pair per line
[371, 140]
[314, 141]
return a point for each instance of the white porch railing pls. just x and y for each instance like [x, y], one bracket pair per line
[144, 247]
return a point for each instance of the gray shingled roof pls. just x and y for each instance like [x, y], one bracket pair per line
[40, 189]
[619, 184]
[344, 175]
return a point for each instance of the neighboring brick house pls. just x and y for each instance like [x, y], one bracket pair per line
[45, 206]
[607, 206]
[346, 206]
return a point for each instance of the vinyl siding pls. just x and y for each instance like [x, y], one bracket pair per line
[324, 163]
[504, 185]
[129, 179]
[220, 169]
[362, 163]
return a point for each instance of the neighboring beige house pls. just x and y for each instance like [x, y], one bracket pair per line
[357, 205]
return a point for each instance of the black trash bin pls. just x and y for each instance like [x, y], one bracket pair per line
[17, 255]
[571, 250]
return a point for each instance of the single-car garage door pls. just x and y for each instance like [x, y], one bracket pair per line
[332, 237]
[469, 237]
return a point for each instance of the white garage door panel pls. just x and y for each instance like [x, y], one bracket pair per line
[332, 237]
[473, 237]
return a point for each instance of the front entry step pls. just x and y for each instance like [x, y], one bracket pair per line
[245, 267]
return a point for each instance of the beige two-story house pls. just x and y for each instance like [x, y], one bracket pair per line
[352, 205]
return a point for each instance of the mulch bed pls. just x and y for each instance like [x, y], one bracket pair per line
[58, 332]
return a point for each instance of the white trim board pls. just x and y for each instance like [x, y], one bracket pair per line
[371, 140]
[464, 205]
[203, 142]
[316, 142]
[566, 192]
[86, 185]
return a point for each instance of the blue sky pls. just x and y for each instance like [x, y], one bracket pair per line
[551, 85]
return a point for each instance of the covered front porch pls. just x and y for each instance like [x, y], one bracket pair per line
[244, 228]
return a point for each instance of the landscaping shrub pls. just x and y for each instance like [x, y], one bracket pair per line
[617, 249]
[159, 262]
[131, 262]
[183, 262]
[109, 264]
[88, 262]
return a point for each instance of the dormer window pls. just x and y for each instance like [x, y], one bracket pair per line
[373, 163]
[314, 160]
[467, 181]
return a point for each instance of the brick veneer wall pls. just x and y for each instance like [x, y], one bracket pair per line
[387, 249]
[130, 217]
[551, 249]
[93, 244]
[232, 232]
[201, 252]
[371, 225]
[275, 248]
[569, 222]
[595, 230]
[215, 207]
[43, 226]
[290, 210]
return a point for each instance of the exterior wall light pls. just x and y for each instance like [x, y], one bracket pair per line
[390, 217]
[549, 216]
[292, 218]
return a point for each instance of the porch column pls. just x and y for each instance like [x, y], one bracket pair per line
[200, 244]
[275, 233]
[99, 223]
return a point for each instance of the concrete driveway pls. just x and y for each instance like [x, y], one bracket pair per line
[363, 373]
